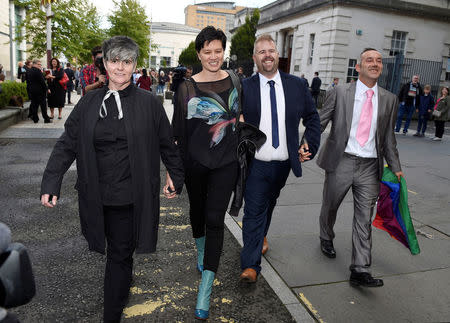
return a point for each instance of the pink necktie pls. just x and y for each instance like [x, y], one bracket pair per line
[365, 120]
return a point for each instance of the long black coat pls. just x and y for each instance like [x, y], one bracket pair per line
[36, 84]
[56, 97]
[149, 138]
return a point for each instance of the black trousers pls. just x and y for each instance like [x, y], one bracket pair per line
[69, 92]
[119, 233]
[37, 101]
[209, 192]
[440, 126]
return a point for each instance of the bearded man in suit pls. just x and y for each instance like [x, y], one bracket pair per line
[362, 135]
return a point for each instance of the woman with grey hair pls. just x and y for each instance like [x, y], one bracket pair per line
[117, 134]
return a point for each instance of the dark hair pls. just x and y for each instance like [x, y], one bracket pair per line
[144, 72]
[367, 49]
[207, 35]
[96, 50]
[58, 65]
[68, 64]
[442, 89]
[316, 73]
[189, 67]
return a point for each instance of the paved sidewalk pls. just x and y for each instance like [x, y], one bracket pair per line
[417, 288]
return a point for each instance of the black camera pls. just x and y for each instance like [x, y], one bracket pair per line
[100, 65]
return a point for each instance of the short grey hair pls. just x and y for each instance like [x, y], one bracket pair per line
[121, 48]
[36, 61]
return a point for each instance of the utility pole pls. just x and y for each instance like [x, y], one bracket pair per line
[48, 13]
[11, 41]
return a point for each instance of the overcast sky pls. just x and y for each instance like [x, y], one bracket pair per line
[170, 10]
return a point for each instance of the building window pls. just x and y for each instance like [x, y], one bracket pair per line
[352, 74]
[165, 61]
[398, 42]
[311, 47]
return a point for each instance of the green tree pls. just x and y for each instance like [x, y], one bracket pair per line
[75, 29]
[189, 55]
[131, 20]
[244, 38]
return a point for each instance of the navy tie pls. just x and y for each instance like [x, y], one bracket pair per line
[273, 107]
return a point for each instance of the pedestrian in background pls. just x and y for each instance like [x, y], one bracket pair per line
[315, 87]
[91, 77]
[21, 72]
[38, 92]
[333, 84]
[424, 111]
[144, 82]
[162, 79]
[205, 113]
[305, 79]
[76, 71]
[118, 134]
[57, 93]
[71, 75]
[442, 107]
[409, 98]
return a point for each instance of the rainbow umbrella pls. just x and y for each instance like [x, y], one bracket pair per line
[393, 213]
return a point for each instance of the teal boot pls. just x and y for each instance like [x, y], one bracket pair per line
[200, 243]
[204, 292]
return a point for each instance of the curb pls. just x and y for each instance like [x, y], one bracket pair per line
[10, 115]
[284, 293]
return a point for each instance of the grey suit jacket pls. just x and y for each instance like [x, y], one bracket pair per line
[338, 108]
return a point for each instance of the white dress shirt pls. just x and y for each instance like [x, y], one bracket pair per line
[267, 152]
[369, 150]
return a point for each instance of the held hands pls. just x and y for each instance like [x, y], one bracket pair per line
[45, 200]
[399, 175]
[304, 153]
[169, 189]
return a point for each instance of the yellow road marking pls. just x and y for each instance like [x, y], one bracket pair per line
[415, 193]
[142, 309]
[310, 307]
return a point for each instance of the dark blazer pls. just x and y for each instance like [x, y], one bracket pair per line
[315, 84]
[37, 86]
[149, 138]
[338, 108]
[404, 97]
[298, 105]
[71, 76]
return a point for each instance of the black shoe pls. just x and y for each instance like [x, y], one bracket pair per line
[327, 248]
[416, 134]
[47, 121]
[365, 280]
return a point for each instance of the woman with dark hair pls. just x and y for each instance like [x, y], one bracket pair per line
[118, 134]
[443, 107]
[57, 93]
[205, 113]
[144, 82]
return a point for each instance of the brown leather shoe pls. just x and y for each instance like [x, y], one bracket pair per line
[249, 275]
[265, 246]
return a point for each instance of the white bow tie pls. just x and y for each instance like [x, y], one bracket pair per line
[103, 113]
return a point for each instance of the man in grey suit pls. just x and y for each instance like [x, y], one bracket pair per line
[362, 135]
